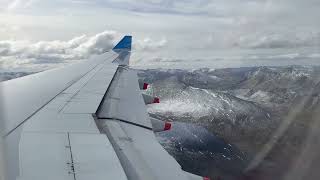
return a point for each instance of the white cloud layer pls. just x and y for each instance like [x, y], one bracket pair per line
[44, 54]
[278, 40]
[39, 31]
[147, 44]
[18, 53]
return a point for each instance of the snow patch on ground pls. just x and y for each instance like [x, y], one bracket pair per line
[261, 96]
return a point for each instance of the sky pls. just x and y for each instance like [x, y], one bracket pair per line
[41, 34]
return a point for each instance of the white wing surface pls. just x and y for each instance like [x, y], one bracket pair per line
[84, 121]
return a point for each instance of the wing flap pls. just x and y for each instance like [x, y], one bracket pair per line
[52, 156]
[68, 156]
[94, 158]
[140, 154]
[123, 99]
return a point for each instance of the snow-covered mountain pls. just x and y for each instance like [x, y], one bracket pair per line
[279, 83]
[244, 106]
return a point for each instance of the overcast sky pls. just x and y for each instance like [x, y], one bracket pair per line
[42, 33]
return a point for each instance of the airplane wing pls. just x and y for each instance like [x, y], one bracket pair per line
[84, 121]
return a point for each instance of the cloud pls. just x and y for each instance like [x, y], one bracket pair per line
[76, 48]
[150, 44]
[20, 4]
[15, 54]
[178, 7]
[278, 40]
[97, 44]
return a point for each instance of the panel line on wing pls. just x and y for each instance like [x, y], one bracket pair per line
[94, 73]
[71, 157]
[126, 121]
[8, 133]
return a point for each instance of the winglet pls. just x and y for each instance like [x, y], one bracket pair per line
[124, 44]
[123, 48]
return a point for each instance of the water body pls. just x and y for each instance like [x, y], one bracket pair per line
[201, 152]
